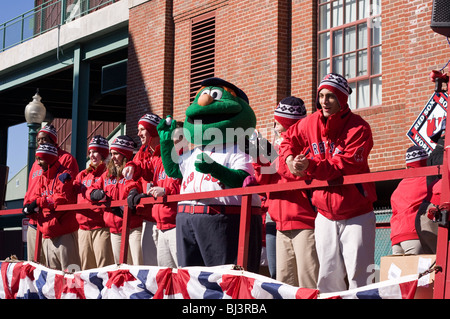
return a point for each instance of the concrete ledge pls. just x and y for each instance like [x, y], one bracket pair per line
[79, 30]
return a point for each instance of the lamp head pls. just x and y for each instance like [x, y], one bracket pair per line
[35, 111]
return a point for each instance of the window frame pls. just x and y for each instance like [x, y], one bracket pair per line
[369, 48]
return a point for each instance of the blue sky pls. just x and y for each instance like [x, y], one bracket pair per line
[18, 134]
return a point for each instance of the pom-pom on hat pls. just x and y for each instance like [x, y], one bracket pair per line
[150, 121]
[124, 145]
[47, 152]
[416, 156]
[50, 130]
[337, 84]
[289, 111]
[100, 144]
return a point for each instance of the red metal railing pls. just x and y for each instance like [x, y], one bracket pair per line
[246, 193]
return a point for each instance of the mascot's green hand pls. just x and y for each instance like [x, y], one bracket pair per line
[204, 164]
[169, 158]
[230, 177]
[165, 128]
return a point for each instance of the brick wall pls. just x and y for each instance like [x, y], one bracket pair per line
[150, 62]
[410, 51]
[268, 49]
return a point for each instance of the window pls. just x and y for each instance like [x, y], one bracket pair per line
[349, 35]
[203, 34]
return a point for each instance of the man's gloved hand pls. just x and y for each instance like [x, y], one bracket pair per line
[97, 195]
[30, 208]
[65, 177]
[118, 211]
[134, 198]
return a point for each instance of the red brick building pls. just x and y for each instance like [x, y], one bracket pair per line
[272, 49]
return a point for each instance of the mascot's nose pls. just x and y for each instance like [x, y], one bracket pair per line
[205, 99]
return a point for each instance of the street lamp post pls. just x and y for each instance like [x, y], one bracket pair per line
[34, 115]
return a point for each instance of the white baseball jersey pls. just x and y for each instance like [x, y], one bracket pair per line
[228, 155]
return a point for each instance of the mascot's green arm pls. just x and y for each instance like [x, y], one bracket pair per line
[171, 168]
[230, 177]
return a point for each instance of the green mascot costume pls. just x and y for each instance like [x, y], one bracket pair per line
[217, 122]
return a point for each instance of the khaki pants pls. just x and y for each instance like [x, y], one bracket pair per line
[134, 247]
[296, 258]
[95, 248]
[167, 248]
[149, 243]
[62, 252]
[31, 245]
[407, 247]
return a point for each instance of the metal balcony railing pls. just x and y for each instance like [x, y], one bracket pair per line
[45, 17]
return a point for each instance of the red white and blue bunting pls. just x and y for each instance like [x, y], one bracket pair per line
[29, 280]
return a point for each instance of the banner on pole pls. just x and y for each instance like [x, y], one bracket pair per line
[429, 122]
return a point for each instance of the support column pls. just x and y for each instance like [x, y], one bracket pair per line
[32, 133]
[80, 106]
[3, 145]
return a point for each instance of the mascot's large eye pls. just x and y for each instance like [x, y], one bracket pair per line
[216, 94]
[206, 91]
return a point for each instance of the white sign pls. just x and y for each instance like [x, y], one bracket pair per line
[429, 121]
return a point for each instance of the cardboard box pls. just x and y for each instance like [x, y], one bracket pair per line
[395, 266]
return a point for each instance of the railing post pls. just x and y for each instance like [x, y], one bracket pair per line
[38, 246]
[244, 230]
[124, 238]
[442, 278]
[63, 11]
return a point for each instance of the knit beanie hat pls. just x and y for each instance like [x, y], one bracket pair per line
[50, 130]
[124, 145]
[337, 84]
[150, 121]
[416, 156]
[47, 152]
[289, 111]
[100, 144]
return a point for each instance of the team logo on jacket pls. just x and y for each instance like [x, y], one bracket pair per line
[321, 148]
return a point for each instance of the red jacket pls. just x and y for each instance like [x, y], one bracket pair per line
[164, 214]
[143, 172]
[338, 146]
[405, 202]
[88, 219]
[142, 162]
[66, 159]
[289, 210]
[116, 190]
[149, 170]
[54, 187]
[435, 192]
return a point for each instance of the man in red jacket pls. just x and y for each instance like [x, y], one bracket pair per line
[338, 143]
[164, 214]
[405, 203]
[141, 167]
[59, 229]
[48, 135]
[296, 257]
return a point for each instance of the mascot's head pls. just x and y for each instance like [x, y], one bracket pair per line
[220, 113]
